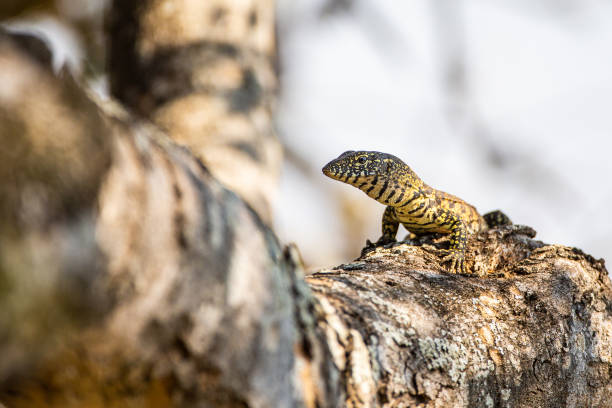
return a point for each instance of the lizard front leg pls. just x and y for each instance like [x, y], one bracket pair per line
[458, 243]
[390, 224]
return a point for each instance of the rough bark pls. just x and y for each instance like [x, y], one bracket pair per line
[534, 330]
[130, 277]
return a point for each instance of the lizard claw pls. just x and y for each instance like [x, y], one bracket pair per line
[370, 246]
[457, 262]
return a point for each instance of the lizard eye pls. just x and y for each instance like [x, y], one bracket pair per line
[362, 160]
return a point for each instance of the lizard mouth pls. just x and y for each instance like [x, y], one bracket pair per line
[331, 171]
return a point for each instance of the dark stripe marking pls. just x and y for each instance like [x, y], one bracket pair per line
[414, 196]
[419, 224]
[383, 189]
[416, 209]
[374, 182]
[399, 199]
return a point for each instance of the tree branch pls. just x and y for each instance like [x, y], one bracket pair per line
[204, 72]
[534, 332]
[194, 298]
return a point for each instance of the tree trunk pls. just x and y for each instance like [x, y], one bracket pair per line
[205, 73]
[131, 277]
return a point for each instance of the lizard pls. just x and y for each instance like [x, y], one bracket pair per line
[419, 207]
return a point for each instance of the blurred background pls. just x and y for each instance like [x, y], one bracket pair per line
[505, 103]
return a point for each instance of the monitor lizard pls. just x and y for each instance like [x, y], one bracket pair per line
[419, 207]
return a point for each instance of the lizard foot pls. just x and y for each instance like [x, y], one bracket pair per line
[457, 262]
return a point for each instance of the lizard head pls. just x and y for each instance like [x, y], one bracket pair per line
[375, 173]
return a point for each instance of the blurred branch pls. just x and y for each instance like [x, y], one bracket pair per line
[128, 275]
[30, 44]
[54, 150]
[335, 7]
[449, 26]
[14, 8]
[34, 103]
[209, 82]
[377, 27]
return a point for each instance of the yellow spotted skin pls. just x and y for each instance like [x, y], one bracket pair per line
[411, 202]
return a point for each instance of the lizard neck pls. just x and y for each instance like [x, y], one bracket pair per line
[395, 189]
